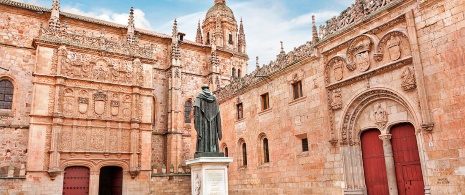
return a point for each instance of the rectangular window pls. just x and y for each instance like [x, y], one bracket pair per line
[240, 112]
[304, 145]
[297, 89]
[265, 101]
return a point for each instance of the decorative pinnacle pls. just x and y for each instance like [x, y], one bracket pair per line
[282, 48]
[56, 9]
[257, 64]
[315, 37]
[131, 25]
[175, 28]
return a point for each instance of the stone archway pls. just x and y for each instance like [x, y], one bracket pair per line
[374, 109]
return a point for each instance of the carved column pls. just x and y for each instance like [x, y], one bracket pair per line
[54, 166]
[174, 113]
[389, 160]
[135, 133]
[94, 182]
[427, 122]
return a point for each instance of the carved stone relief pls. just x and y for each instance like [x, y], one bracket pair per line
[197, 183]
[408, 79]
[86, 66]
[380, 116]
[99, 102]
[393, 47]
[81, 138]
[66, 137]
[359, 54]
[125, 141]
[68, 103]
[336, 103]
[97, 139]
[394, 44]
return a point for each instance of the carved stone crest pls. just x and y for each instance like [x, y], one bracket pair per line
[408, 80]
[99, 102]
[380, 116]
[114, 107]
[336, 99]
[83, 105]
[359, 54]
[393, 46]
[337, 67]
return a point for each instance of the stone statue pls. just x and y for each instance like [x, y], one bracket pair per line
[207, 122]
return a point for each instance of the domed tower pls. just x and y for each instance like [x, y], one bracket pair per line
[220, 26]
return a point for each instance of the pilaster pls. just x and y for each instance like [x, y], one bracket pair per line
[390, 166]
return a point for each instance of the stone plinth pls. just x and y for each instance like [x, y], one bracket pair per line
[209, 175]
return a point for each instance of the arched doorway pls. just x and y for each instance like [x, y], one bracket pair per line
[111, 181]
[374, 164]
[76, 181]
[407, 160]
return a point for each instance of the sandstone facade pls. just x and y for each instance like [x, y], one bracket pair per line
[90, 94]
[378, 67]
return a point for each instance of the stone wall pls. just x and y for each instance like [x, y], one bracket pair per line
[413, 75]
[170, 185]
[441, 37]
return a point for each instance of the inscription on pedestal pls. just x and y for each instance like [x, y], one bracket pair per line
[214, 182]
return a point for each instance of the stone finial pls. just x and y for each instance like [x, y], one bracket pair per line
[175, 29]
[198, 37]
[54, 21]
[130, 36]
[282, 48]
[241, 42]
[315, 37]
[257, 63]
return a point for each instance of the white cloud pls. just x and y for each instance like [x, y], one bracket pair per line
[121, 18]
[265, 25]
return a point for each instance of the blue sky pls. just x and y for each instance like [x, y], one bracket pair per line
[266, 22]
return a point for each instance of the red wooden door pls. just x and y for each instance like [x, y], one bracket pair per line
[76, 181]
[407, 160]
[117, 181]
[373, 163]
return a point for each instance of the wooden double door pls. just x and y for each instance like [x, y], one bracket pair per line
[406, 160]
[76, 181]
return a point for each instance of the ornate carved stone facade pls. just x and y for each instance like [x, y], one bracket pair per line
[100, 94]
[94, 94]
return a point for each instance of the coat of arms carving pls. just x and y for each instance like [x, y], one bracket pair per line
[338, 72]
[83, 105]
[393, 46]
[114, 107]
[359, 54]
[99, 102]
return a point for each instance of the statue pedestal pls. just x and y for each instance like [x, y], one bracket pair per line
[209, 175]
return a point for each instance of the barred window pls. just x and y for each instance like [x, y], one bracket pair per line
[6, 94]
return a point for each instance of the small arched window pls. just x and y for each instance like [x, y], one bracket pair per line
[6, 94]
[244, 154]
[187, 111]
[226, 152]
[239, 73]
[266, 154]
